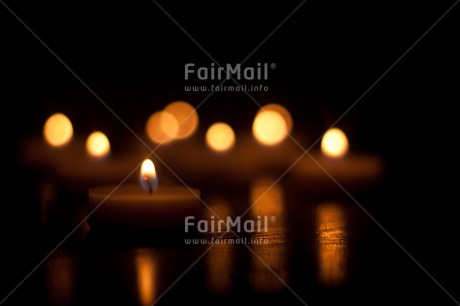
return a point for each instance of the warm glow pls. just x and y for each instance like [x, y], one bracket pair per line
[148, 176]
[146, 278]
[334, 143]
[162, 127]
[97, 144]
[220, 137]
[332, 244]
[186, 117]
[282, 111]
[269, 127]
[220, 260]
[267, 199]
[58, 130]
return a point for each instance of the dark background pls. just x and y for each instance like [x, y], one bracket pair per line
[327, 55]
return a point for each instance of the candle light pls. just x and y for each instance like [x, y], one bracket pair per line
[144, 206]
[58, 130]
[348, 168]
[240, 155]
[97, 145]
[220, 137]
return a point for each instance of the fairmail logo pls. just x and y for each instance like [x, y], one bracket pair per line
[226, 72]
[257, 225]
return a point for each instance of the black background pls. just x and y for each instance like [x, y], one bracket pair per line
[327, 55]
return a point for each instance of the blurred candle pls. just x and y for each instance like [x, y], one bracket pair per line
[186, 117]
[97, 145]
[220, 137]
[350, 169]
[269, 127]
[334, 143]
[162, 127]
[58, 130]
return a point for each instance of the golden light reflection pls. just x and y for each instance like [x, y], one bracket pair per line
[97, 144]
[269, 127]
[58, 130]
[220, 259]
[220, 137]
[332, 244]
[268, 200]
[162, 127]
[61, 278]
[186, 117]
[334, 143]
[147, 269]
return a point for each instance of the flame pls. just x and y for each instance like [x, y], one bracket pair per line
[186, 117]
[162, 127]
[148, 176]
[58, 130]
[98, 144]
[269, 127]
[146, 277]
[282, 111]
[220, 137]
[332, 244]
[334, 143]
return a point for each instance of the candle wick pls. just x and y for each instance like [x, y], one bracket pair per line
[150, 187]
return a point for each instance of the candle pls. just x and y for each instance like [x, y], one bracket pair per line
[352, 170]
[231, 156]
[75, 162]
[143, 207]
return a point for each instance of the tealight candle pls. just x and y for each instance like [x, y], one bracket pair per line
[143, 207]
[352, 170]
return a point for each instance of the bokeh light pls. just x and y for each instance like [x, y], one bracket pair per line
[186, 117]
[282, 111]
[220, 137]
[269, 127]
[58, 130]
[97, 144]
[334, 143]
[162, 127]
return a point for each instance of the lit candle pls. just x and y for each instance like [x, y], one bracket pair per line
[145, 206]
[240, 156]
[73, 161]
[350, 169]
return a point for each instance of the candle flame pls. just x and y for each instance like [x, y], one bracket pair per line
[269, 127]
[220, 137]
[58, 130]
[334, 143]
[148, 176]
[97, 144]
[186, 116]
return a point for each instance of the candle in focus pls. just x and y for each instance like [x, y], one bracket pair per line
[143, 207]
